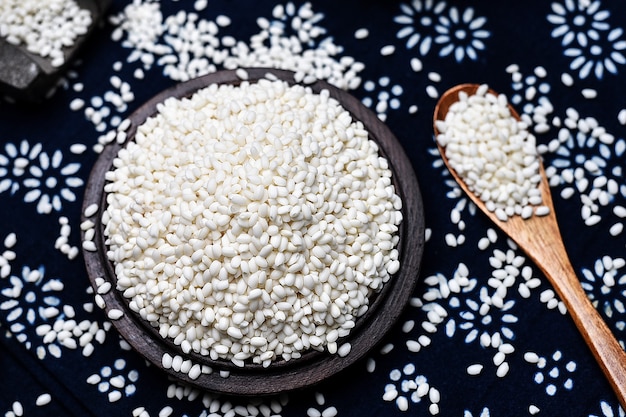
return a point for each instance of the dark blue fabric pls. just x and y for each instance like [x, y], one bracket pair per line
[527, 34]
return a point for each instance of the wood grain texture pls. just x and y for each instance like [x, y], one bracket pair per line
[314, 366]
[540, 239]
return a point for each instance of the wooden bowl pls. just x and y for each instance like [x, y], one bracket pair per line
[313, 366]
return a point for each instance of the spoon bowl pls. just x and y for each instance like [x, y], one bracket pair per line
[539, 237]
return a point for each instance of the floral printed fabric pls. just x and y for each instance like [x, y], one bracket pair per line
[484, 335]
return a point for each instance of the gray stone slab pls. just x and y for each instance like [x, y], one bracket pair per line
[25, 76]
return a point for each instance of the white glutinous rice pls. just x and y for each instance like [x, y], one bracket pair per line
[474, 369]
[589, 93]
[387, 50]
[361, 33]
[252, 222]
[493, 153]
[43, 399]
[44, 28]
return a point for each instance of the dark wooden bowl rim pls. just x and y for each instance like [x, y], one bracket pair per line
[314, 366]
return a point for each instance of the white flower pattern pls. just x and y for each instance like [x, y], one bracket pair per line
[115, 381]
[457, 33]
[609, 410]
[51, 182]
[14, 163]
[418, 20]
[593, 46]
[44, 179]
[385, 97]
[461, 34]
[30, 299]
[553, 374]
[606, 286]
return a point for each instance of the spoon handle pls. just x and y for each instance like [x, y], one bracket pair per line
[610, 355]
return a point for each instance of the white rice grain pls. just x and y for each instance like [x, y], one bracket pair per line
[402, 403]
[432, 92]
[361, 33]
[330, 412]
[416, 64]
[589, 93]
[91, 210]
[616, 229]
[43, 399]
[474, 369]
[434, 77]
[10, 240]
[387, 50]
[115, 314]
[567, 79]
[250, 217]
[502, 370]
[413, 346]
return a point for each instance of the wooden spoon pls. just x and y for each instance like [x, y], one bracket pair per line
[540, 239]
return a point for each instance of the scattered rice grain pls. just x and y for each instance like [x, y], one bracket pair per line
[567, 79]
[361, 33]
[434, 77]
[432, 92]
[77, 104]
[330, 412]
[413, 346]
[589, 93]
[115, 314]
[91, 210]
[387, 50]
[43, 399]
[416, 64]
[402, 403]
[616, 229]
[474, 369]
[502, 370]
